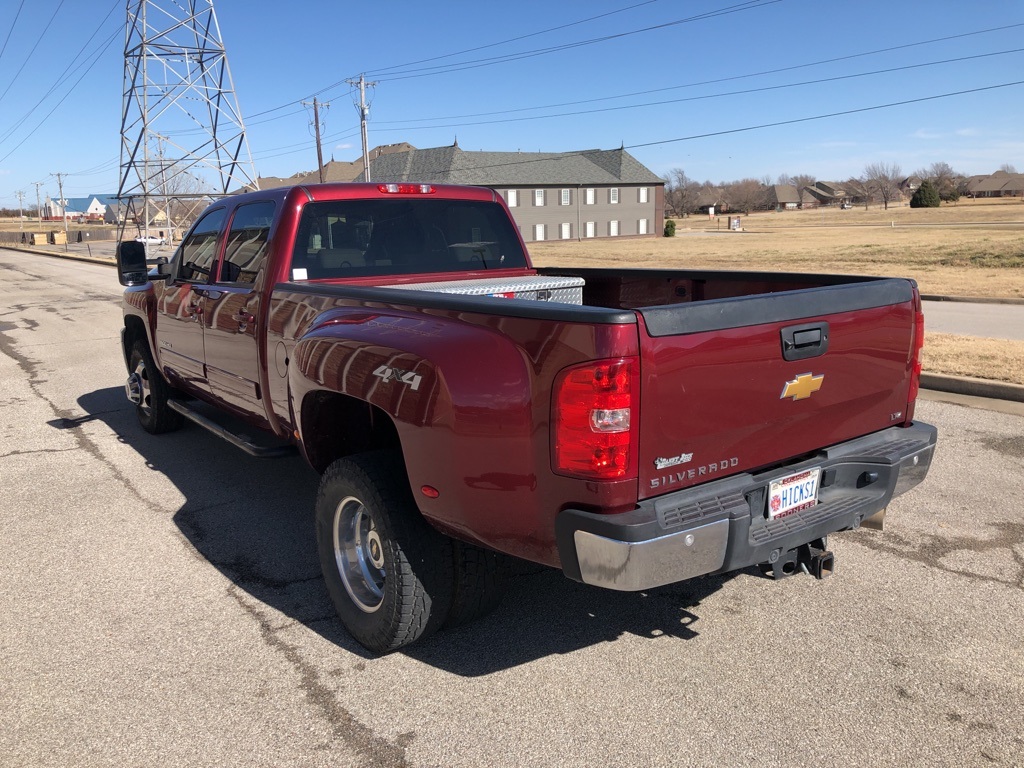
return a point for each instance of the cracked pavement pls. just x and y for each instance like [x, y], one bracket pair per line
[161, 604]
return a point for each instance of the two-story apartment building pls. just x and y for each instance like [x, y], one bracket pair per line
[552, 196]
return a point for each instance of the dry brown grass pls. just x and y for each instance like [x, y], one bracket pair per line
[975, 248]
[994, 359]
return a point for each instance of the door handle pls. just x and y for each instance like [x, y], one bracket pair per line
[800, 342]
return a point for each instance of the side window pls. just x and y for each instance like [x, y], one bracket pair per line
[247, 243]
[199, 250]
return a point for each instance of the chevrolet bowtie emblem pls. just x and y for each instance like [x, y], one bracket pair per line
[802, 387]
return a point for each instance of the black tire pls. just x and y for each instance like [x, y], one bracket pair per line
[154, 412]
[480, 579]
[387, 570]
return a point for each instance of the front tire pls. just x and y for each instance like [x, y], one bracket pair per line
[153, 409]
[388, 572]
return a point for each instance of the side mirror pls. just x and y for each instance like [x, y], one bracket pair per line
[131, 263]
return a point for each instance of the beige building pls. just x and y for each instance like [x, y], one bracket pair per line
[552, 196]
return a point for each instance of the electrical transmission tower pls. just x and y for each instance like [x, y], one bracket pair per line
[182, 136]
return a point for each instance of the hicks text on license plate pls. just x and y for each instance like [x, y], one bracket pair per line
[792, 493]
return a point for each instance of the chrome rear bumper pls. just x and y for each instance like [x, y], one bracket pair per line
[722, 526]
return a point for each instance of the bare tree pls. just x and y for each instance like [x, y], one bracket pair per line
[943, 178]
[883, 181]
[856, 192]
[185, 196]
[681, 192]
[745, 195]
[799, 181]
[1008, 168]
[802, 180]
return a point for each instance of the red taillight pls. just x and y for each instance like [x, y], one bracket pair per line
[916, 360]
[595, 419]
[405, 189]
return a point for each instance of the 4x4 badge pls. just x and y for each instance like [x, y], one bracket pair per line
[802, 387]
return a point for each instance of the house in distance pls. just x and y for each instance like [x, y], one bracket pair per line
[552, 195]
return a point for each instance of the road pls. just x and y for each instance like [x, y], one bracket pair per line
[990, 321]
[162, 605]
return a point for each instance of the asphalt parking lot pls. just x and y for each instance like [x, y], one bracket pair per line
[162, 605]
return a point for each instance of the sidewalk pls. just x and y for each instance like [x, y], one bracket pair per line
[102, 252]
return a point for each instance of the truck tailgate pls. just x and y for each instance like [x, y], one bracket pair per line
[741, 384]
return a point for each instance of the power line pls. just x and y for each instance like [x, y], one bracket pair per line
[743, 92]
[715, 81]
[63, 76]
[584, 153]
[35, 45]
[11, 30]
[516, 39]
[458, 53]
[58, 104]
[445, 69]
[828, 115]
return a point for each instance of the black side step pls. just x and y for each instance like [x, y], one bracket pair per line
[239, 441]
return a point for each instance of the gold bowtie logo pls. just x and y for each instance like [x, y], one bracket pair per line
[802, 387]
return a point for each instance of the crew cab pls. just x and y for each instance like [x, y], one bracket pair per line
[633, 428]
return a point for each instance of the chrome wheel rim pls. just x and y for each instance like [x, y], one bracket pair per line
[359, 554]
[145, 391]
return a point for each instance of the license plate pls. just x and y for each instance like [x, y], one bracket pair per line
[790, 494]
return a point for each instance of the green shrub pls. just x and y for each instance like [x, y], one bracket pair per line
[670, 228]
[926, 196]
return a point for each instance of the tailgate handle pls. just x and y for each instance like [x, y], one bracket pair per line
[800, 342]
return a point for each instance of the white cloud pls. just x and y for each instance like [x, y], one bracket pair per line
[343, 146]
[921, 133]
[967, 132]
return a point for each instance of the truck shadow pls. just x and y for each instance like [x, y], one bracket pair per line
[252, 519]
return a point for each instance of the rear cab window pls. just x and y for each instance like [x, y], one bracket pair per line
[358, 238]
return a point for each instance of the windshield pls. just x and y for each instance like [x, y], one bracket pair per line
[356, 238]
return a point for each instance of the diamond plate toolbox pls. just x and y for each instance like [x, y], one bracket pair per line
[564, 290]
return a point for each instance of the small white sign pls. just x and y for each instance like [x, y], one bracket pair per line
[300, 273]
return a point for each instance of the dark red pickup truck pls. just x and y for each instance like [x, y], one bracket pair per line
[632, 427]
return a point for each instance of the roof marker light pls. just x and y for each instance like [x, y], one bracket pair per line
[406, 189]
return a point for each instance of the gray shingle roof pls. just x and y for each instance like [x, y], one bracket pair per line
[785, 193]
[452, 165]
[1000, 183]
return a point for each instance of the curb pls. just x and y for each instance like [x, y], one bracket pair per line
[965, 385]
[55, 255]
[971, 299]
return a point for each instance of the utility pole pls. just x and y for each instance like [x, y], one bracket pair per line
[63, 209]
[21, 210]
[39, 205]
[316, 128]
[364, 113]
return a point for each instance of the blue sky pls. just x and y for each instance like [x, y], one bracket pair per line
[680, 84]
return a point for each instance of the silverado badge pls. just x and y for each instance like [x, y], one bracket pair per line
[802, 387]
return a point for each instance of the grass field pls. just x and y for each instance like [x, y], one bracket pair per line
[972, 249]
